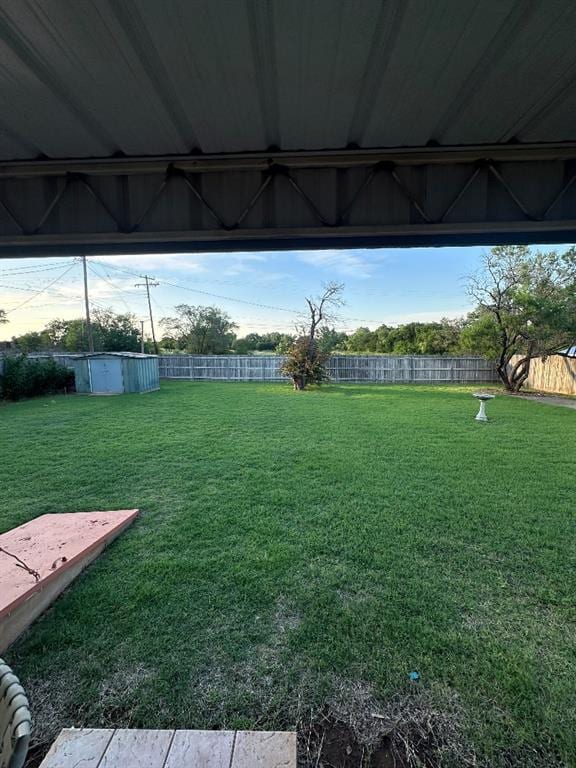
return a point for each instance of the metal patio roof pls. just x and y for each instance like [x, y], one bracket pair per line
[127, 78]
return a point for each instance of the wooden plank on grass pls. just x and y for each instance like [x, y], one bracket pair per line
[137, 749]
[264, 749]
[78, 746]
[201, 749]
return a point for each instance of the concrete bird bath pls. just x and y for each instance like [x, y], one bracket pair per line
[483, 397]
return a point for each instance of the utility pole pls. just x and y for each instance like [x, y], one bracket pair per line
[87, 305]
[148, 284]
[142, 336]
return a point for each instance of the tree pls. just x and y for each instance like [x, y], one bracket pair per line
[442, 338]
[201, 330]
[114, 332]
[111, 333]
[243, 346]
[168, 343]
[330, 340]
[305, 361]
[284, 344]
[526, 307]
[34, 341]
[266, 342]
[67, 335]
[3, 318]
[362, 340]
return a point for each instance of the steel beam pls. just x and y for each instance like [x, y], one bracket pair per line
[430, 196]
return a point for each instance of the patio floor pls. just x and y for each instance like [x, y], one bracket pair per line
[126, 748]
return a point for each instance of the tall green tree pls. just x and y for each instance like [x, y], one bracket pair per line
[526, 308]
[201, 330]
[264, 342]
[34, 341]
[330, 340]
[439, 338]
[362, 340]
[112, 332]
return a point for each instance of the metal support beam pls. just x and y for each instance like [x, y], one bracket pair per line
[430, 196]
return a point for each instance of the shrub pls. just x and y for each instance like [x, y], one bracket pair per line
[305, 363]
[25, 377]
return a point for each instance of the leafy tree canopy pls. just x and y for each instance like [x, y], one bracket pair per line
[111, 333]
[200, 330]
[265, 342]
[439, 338]
[526, 307]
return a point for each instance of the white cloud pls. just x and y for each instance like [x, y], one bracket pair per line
[195, 263]
[345, 262]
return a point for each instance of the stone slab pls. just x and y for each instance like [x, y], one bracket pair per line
[126, 748]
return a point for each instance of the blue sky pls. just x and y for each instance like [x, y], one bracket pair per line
[381, 285]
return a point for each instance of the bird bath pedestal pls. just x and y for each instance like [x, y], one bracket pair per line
[483, 397]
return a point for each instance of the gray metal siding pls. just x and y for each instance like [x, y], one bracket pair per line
[81, 374]
[139, 374]
[130, 373]
[229, 82]
[227, 76]
[149, 370]
[106, 375]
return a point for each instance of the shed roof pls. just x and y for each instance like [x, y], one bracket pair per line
[114, 354]
[568, 351]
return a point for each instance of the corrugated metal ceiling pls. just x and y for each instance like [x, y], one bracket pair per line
[101, 78]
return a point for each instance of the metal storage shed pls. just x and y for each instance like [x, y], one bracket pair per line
[116, 372]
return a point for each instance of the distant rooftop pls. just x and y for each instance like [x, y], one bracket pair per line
[112, 354]
[568, 351]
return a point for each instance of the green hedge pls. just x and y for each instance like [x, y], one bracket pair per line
[25, 377]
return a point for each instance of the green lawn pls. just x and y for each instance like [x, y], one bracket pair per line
[302, 553]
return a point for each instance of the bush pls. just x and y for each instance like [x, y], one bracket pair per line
[25, 377]
[305, 363]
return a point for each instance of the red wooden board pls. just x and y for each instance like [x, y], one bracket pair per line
[51, 544]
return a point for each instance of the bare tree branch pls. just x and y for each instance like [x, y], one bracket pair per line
[21, 564]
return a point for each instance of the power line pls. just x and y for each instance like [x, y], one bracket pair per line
[208, 293]
[161, 307]
[239, 301]
[120, 290]
[32, 270]
[42, 290]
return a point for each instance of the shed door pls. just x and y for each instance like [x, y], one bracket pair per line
[106, 375]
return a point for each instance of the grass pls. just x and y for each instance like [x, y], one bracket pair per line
[300, 553]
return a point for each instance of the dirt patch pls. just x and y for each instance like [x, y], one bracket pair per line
[335, 745]
[418, 729]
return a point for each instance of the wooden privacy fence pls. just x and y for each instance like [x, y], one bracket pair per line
[351, 368]
[557, 374]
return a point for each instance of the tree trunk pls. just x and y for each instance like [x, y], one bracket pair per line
[520, 373]
[502, 369]
[299, 382]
